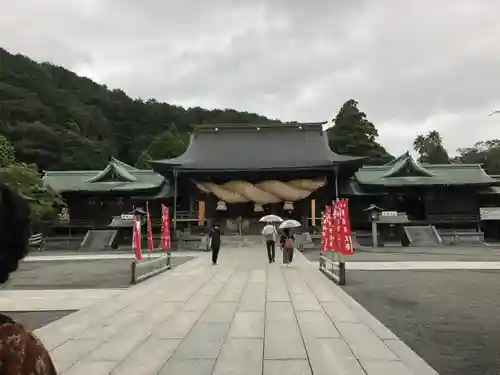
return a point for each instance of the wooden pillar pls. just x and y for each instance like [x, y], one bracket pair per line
[191, 211]
[174, 220]
[336, 170]
[201, 213]
[313, 212]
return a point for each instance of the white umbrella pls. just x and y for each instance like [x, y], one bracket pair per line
[271, 219]
[290, 224]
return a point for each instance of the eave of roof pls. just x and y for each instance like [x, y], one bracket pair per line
[248, 147]
[490, 190]
[422, 175]
[126, 179]
[352, 187]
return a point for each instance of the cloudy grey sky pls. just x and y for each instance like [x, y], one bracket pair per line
[412, 65]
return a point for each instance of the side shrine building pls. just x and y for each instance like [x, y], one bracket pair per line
[94, 198]
[234, 174]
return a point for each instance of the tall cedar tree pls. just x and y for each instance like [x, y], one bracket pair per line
[354, 135]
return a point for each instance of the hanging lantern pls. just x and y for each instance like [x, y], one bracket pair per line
[221, 206]
[288, 206]
[258, 208]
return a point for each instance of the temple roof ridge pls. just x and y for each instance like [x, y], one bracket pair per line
[407, 164]
[406, 171]
[243, 147]
[116, 167]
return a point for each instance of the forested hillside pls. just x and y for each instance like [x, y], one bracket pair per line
[58, 120]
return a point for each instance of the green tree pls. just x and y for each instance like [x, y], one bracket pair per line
[169, 144]
[7, 152]
[56, 148]
[353, 134]
[26, 180]
[59, 120]
[430, 148]
[486, 153]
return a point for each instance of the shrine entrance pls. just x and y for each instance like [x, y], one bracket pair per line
[413, 204]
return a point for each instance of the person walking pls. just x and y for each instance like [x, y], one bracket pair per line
[269, 232]
[21, 352]
[215, 243]
[287, 245]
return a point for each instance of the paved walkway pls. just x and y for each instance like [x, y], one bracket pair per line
[94, 256]
[240, 317]
[52, 300]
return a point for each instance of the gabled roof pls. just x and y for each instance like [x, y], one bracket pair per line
[406, 166]
[116, 176]
[115, 171]
[405, 171]
[243, 147]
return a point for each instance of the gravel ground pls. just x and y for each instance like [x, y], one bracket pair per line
[450, 318]
[36, 319]
[83, 274]
[420, 254]
[93, 274]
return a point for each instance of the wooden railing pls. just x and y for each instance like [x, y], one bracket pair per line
[155, 221]
[453, 218]
[78, 223]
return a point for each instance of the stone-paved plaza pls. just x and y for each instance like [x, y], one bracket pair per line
[242, 316]
[442, 302]
[452, 327]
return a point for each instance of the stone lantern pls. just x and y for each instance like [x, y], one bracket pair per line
[374, 213]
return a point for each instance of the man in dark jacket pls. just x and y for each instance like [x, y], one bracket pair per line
[215, 243]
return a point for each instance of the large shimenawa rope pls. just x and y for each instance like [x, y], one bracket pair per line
[265, 192]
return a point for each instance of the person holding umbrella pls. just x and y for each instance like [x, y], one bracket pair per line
[287, 240]
[270, 234]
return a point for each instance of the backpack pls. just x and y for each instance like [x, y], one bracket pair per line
[289, 243]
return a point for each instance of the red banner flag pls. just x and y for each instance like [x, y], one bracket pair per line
[337, 225]
[136, 238]
[150, 230]
[330, 245]
[165, 228]
[326, 229]
[345, 242]
[347, 217]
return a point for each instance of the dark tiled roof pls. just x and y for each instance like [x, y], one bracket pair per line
[116, 176]
[490, 190]
[255, 147]
[352, 187]
[405, 171]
